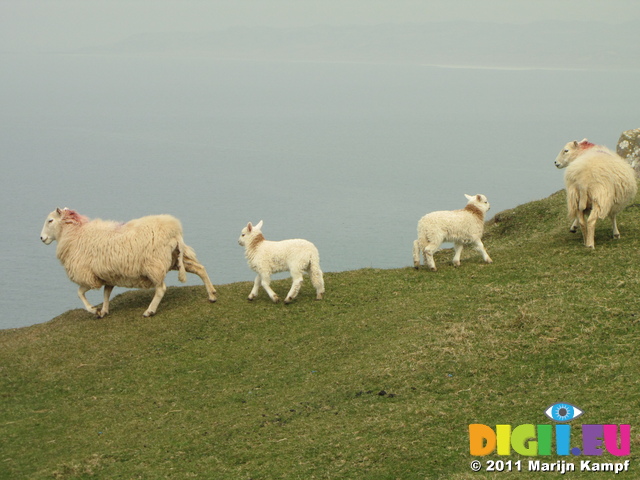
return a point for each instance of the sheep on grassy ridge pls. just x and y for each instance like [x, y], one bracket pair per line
[136, 254]
[599, 184]
[268, 257]
[462, 227]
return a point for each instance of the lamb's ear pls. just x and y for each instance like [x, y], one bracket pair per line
[249, 227]
[58, 211]
[259, 225]
[478, 198]
[584, 140]
[575, 143]
[469, 197]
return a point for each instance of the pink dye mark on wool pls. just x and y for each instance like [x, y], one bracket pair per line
[585, 144]
[71, 216]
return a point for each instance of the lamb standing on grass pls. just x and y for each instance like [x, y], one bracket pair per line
[599, 184]
[136, 254]
[461, 227]
[267, 257]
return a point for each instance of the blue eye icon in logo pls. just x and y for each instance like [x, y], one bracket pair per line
[563, 412]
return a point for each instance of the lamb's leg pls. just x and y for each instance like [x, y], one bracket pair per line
[457, 249]
[296, 283]
[416, 254]
[428, 252]
[153, 306]
[193, 266]
[81, 291]
[256, 287]
[266, 284]
[616, 232]
[105, 303]
[317, 280]
[480, 247]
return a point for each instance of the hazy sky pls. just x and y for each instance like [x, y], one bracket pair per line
[62, 24]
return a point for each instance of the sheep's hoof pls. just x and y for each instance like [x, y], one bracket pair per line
[573, 230]
[320, 296]
[617, 237]
[489, 261]
[433, 269]
[276, 299]
[288, 300]
[101, 314]
[148, 314]
[213, 300]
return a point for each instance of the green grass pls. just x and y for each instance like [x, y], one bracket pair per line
[378, 381]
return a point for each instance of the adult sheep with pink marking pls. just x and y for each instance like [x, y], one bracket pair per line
[137, 254]
[462, 227]
[599, 184]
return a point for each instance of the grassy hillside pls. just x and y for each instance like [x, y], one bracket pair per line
[378, 381]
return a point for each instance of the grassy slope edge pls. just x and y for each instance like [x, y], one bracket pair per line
[378, 381]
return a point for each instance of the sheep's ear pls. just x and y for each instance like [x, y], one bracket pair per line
[58, 211]
[478, 198]
[575, 143]
[584, 140]
[469, 197]
[259, 225]
[249, 227]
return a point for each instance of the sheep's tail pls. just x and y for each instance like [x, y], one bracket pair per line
[182, 272]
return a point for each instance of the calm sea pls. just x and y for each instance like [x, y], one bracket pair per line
[349, 156]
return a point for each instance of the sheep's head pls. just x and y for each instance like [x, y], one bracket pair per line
[571, 151]
[249, 233]
[51, 227]
[56, 219]
[479, 201]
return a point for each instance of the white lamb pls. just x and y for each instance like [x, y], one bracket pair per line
[136, 254]
[462, 227]
[268, 257]
[598, 183]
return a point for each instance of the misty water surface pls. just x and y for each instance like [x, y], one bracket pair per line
[349, 156]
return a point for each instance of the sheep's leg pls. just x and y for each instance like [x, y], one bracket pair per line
[428, 252]
[480, 247]
[457, 248]
[266, 284]
[591, 228]
[317, 281]
[192, 266]
[416, 254]
[616, 232]
[153, 306]
[574, 226]
[295, 286]
[583, 225]
[256, 287]
[105, 303]
[81, 293]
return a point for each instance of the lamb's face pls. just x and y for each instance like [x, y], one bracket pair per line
[243, 236]
[479, 201]
[51, 226]
[566, 155]
[249, 232]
